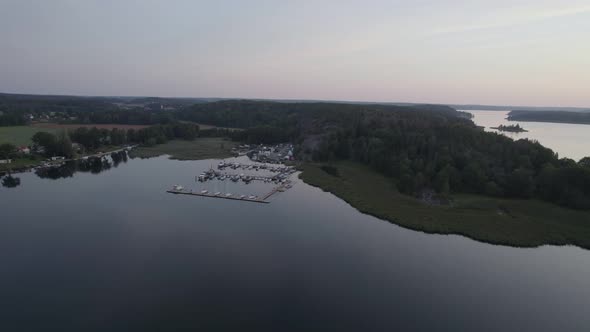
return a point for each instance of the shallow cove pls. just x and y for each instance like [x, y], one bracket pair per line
[113, 251]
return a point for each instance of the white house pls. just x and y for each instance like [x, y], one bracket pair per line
[5, 161]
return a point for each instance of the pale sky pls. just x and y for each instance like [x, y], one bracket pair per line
[500, 52]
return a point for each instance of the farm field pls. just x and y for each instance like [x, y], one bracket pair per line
[20, 135]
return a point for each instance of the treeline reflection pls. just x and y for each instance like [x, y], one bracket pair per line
[92, 165]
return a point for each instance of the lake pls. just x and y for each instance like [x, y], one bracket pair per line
[569, 140]
[110, 250]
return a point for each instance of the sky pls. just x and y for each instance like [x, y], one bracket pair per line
[500, 52]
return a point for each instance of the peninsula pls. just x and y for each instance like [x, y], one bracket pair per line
[550, 116]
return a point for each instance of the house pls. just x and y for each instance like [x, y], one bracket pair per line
[24, 150]
[58, 158]
[5, 161]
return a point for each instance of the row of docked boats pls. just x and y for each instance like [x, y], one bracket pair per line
[214, 175]
[235, 165]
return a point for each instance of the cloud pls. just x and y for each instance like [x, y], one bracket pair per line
[513, 18]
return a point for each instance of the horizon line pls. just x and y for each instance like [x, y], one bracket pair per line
[294, 100]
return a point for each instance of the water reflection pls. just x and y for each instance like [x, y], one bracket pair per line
[115, 252]
[10, 181]
[94, 165]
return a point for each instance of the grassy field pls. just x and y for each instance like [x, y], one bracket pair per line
[201, 148]
[20, 135]
[20, 163]
[522, 223]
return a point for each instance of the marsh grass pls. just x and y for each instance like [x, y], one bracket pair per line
[520, 223]
[200, 148]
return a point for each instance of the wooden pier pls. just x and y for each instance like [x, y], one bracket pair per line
[277, 189]
[209, 195]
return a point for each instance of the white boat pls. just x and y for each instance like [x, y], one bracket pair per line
[204, 191]
[228, 195]
[217, 193]
[177, 187]
[242, 196]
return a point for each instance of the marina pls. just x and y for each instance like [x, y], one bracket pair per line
[279, 175]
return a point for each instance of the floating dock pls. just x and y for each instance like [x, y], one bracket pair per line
[210, 195]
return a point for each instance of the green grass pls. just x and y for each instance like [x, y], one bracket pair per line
[521, 223]
[200, 148]
[20, 164]
[20, 135]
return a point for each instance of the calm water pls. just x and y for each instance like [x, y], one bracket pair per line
[569, 140]
[114, 252]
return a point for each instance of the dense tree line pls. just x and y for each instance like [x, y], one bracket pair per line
[136, 116]
[69, 109]
[11, 119]
[251, 113]
[7, 151]
[53, 145]
[550, 116]
[262, 135]
[162, 133]
[92, 139]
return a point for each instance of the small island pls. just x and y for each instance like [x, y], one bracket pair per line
[511, 128]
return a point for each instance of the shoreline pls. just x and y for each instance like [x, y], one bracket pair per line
[45, 163]
[506, 222]
[514, 223]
